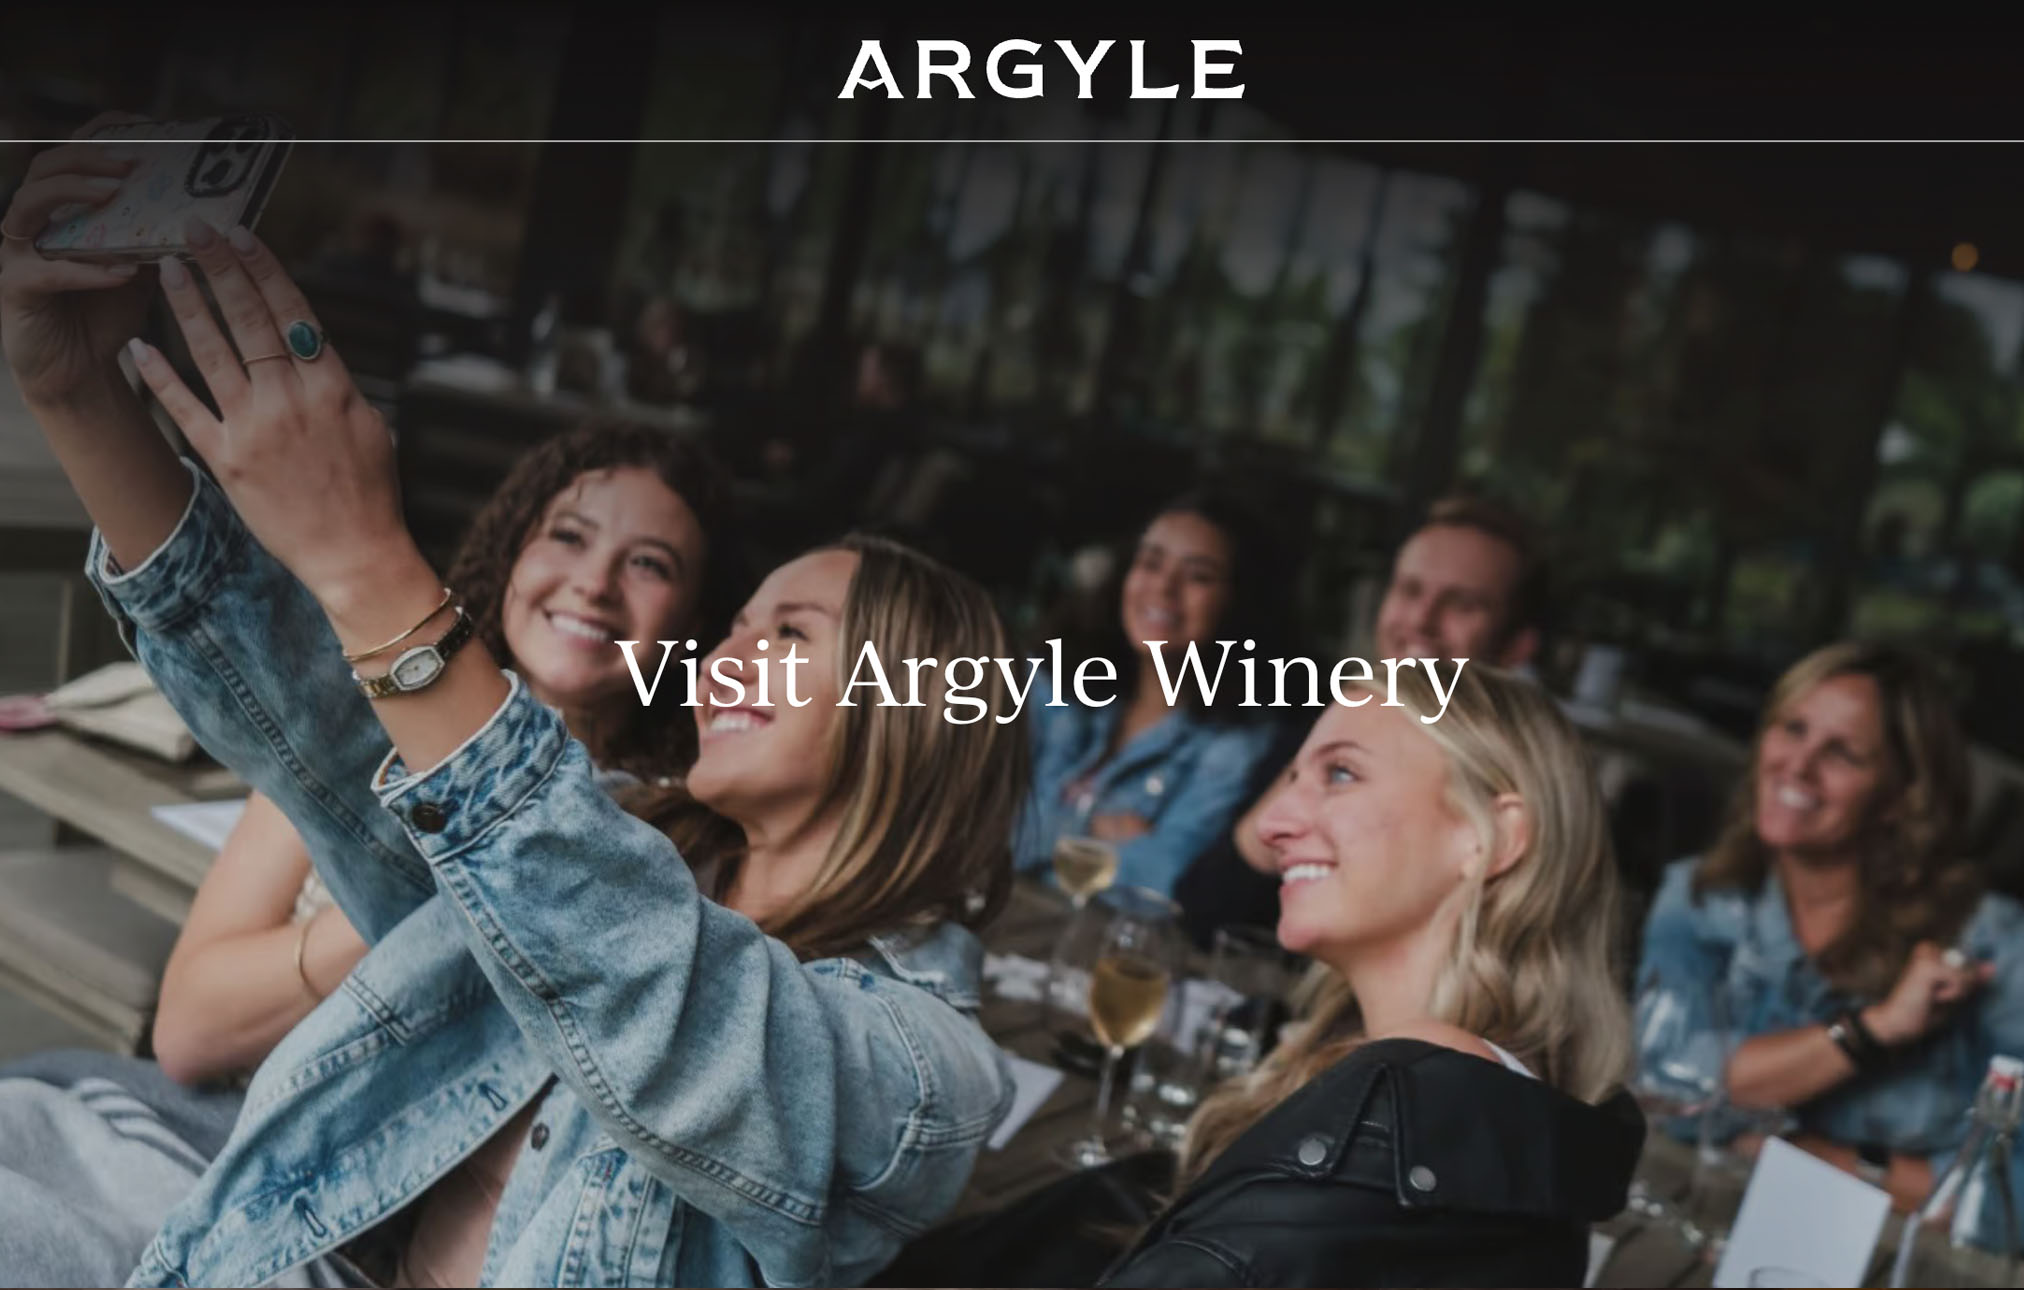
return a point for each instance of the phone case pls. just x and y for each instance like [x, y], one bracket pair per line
[220, 170]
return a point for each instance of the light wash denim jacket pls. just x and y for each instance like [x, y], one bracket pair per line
[1186, 776]
[724, 1114]
[1745, 939]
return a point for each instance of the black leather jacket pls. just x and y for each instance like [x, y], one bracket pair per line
[1404, 1164]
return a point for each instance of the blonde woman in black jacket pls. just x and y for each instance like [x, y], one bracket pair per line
[1450, 1109]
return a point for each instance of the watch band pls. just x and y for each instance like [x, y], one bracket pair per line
[418, 668]
[1855, 1039]
[1872, 1162]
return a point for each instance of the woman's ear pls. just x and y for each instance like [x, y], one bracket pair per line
[1513, 819]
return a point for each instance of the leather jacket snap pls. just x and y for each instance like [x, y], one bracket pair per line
[1405, 1163]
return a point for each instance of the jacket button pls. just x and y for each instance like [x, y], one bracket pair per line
[1422, 1178]
[539, 1138]
[1155, 785]
[428, 817]
[1312, 1151]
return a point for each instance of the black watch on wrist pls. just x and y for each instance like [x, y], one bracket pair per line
[1872, 1162]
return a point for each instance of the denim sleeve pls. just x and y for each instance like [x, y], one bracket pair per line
[247, 659]
[826, 1114]
[1201, 812]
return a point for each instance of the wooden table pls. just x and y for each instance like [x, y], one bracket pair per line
[85, 928]
[1643, 1254]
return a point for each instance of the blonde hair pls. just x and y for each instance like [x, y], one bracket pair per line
[926, 806]
[1533, 966]
[1915, 883]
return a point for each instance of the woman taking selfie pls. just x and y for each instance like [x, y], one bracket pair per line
[1866, 976]
[1449, 1110]
[1160, 781]
[573, 1050]
[596, 535]
[613, 531]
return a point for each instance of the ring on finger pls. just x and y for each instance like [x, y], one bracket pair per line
[304, 340]
[261, 358]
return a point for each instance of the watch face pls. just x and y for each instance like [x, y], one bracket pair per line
[416, 667]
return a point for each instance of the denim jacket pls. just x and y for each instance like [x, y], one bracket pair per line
[1187, 777]
[1745, 939]
[723, 1114]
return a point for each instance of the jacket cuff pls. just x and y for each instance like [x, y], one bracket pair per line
[180, 576]
[450, 806]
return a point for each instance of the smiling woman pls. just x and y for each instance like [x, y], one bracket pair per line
[600, 1068]
[1868, 976]
[1162, 780]
[615, 530]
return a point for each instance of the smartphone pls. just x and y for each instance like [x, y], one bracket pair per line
[219, 170]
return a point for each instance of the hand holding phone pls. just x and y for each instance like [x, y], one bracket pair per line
[219, 170]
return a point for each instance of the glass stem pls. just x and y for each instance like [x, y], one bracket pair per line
[1102, 1110]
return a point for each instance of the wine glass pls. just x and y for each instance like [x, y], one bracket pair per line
[1084, 866]
[1682, 1060]
[1065, 998]
[1222, 1030]
[1246, 1003]
[1141, 956]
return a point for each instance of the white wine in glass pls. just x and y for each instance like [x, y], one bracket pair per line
[1127, 994]
[1141, 955]
[1084, 867]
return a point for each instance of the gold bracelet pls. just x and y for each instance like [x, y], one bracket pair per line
[301, 944]
[441, 605]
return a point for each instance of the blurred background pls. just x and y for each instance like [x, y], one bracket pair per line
[1760, 395]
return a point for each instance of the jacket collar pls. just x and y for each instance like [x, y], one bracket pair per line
[1452, 1132]
[946, 960]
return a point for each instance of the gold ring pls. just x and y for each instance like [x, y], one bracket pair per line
[14, 237]
[261, 358]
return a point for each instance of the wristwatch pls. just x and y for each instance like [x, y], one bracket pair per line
[418, 668]
[1872, 1163]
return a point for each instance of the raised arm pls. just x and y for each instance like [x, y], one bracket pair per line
[824, 1111]
[62, 324]
[187, 575]
[232, 987]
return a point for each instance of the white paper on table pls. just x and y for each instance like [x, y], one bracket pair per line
[1600, 1247]
[1800, 1212]
[1014, 976]
[1031, 1085]
[207, 822]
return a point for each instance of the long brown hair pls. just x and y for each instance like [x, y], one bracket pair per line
[926, 806]
[1914, 882]
[644, 742]
[1532, 966]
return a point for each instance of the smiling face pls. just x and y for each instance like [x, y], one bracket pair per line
[1179, 583]
[616, 555]
[1450, 597]
[1821, 768]
[774, 761]
[1369, 849]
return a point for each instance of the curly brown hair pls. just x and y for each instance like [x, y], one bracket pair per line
[646, 743]
[1916, 883]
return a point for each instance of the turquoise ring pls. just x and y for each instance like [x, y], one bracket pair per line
[304, 341]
